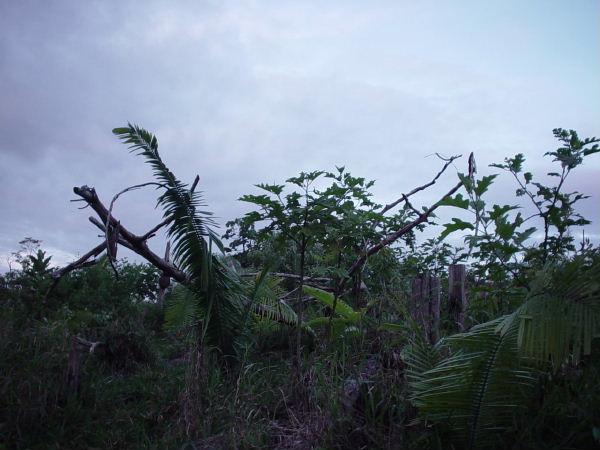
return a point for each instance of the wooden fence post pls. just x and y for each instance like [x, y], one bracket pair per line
[457, 297]
[425, 305]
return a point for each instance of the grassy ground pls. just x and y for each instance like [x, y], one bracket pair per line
[140, 392]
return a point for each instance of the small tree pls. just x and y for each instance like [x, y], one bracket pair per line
[553, 205]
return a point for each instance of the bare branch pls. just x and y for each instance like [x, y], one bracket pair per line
[112, 234]
[422, 217]
[153, 231]
[78, 264]
[126, 244]
[404, 197]
[97, 223]
[409, 204]
[134, 242]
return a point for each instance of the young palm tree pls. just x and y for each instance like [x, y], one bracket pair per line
[216, 298]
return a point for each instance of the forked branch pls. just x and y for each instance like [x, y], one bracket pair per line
[421, 218]
[106, 221]
[404, 197]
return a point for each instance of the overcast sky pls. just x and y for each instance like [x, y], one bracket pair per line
[248, 92]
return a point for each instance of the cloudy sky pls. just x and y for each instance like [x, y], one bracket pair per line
[248, 92]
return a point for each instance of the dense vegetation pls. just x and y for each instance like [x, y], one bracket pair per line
[300, 331]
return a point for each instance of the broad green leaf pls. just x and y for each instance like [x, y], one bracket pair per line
[466, 181]
[456, 225]
[327, 298]
[504, 229]
[484, 184]
[273, 188]
[458, 201]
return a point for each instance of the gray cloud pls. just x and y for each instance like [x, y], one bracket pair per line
[247, 92]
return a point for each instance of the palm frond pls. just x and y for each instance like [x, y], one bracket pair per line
[264, 300]
[490, 371]
[217, 288]
[223, 306]
[476, 390]
[191, 224]
[562, 314]
[420, 356]
[181, 309]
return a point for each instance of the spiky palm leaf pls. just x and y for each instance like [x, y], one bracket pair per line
[218, 289]
[477, 389]
[420, 357]
[490, 371]
[264, 294]
[181, 311]
[561, 316]
[276, 310]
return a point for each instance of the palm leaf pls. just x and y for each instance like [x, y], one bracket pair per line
[491, 371]
[561, 317]
[420, 357]
[181, 309]
[264, 300]
[477, 389]
[218, 289]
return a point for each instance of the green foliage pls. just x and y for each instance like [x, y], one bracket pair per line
[524, 376]
[553, 205]
[561, 315]
[294, 216]
[129, 389]
[264, 294]
[330, 226]
[476, 391]
[217, 288]
[475, 383]
[338, 306]
[456, 225]
[181, 311]
[343, 320]
[347, 321]
[500, 243]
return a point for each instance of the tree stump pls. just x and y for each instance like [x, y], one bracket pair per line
[425, 305]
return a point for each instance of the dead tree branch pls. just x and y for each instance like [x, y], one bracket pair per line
[152, 232]
[106, 221]
[409, 204]
[405, 197]
[111, 233]
[84, 260]
[125, 237]
[421, 218]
